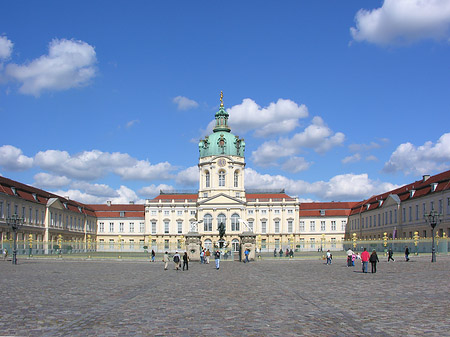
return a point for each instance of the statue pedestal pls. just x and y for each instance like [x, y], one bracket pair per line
[193, 246]
[248, 241]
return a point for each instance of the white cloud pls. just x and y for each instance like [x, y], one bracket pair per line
[277, 118]
[12, 159]
[45, 180]
[89, 165]
[316, 136]
[403, 21]
[69, 64]
[353, 187]
[98, 190]
[123, 195]
[296, 164]
[371, 158]
[351, 159]
[421, 160]
[153, 190]
[6, 47]
[365, 147]
[131, 123]
[184, 103]
[188, 177]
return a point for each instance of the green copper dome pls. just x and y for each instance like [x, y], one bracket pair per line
[222, 141]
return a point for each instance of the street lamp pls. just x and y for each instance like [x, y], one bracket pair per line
[354, 241]
[15, 223]
[433, 219]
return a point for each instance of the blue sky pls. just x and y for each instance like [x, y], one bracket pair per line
[107, 100]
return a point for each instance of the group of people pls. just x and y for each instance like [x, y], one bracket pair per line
[205, 256]
[372, 258]
[176, 260]
[288, 253]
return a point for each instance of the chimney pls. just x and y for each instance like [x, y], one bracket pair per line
[131, 202]
[108, 202]
[425, 177]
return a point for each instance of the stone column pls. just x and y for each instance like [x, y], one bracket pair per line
[193, 246]
[248, 241]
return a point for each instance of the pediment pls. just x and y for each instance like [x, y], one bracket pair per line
[55, 203]
[392, 200]
[221, 199]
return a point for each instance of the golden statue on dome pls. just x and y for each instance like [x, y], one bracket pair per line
[221, 99]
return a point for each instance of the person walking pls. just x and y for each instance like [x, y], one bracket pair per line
[208, 255]
[291, 253]
[202, 257]
[328, 257]
[166, 260]
[247, 251]
[153, 255]
[275, 252]
[406, 253]
[176, 260]
[373, 261]
[185, 261]
[364, 260]
[281, 252]
[217, 257]
[5, 254]
[349, 257]
[390, 255]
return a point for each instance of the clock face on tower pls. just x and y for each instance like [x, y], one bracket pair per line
[222, 162]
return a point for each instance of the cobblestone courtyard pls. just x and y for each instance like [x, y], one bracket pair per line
[265, 298]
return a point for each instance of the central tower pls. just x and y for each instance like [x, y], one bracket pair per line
[222, 162]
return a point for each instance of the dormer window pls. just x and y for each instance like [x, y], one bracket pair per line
[411, 193]
[79, 209]
[322, 212]
[122, 214]
[14, 191]
[433, 187]
[367, 206]
[35, 196]
[65, 205]
[380, 202]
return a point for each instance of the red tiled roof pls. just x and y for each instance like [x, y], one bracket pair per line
[326, 205]
[176, 197]
[117, 215]
[267, 196]
[118, 207]
[330, 212]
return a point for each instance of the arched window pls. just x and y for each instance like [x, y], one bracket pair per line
[207, 223]
[235, 245]
[221, 218]
[207, 244]
[235, 222]
[207, 178]
[221, 178]
[236, 178]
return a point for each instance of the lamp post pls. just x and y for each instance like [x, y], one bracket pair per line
[354, 241]
[15, 222]
[322, 241]
[60, 244]
[385, 238]
[433, 218]
[30, 244]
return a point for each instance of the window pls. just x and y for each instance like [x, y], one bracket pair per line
[1, 209]
[250, 211]
[121, 225]
[343, 224]
[395, 215]
[333, 242]
[410, 214]
[141, 227]
[417, 212]
[440, 207]
[302, 242]
[207, 179]
[193, 212]
[448, 205]
[153, 227]
[312, 242]
[290, 211]
[263, 226]
[333, 225]
[312, 226]
[290, 226]
[263, 244]
[404, 214]
[205, 194]
[277, 211]
[36, 218]
[166, 227]
[111, 243]
[207, 223]
[250, 225]
[180, 227]
[236, 178]
[390, 217]
[131, 242]
[370, 221]
[30, 215]
[302, 226]
[222, 178]
[424, 209]
[111, 227]
[23, 212]
[166, 212]
[322, 226]
[362, 222]
[432, 205]
[374, 221]
[101, 227]
[277, 243]
[221, 218]
[122, 214]
[238, 194]
[235, 222]
[131, 227]
[43, 217]
[263, 211]
[166, 244]
[379, 222]
[179, 212]
[153, 212]
[277, 226]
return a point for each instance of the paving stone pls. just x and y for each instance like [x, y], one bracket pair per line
[265, 298]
